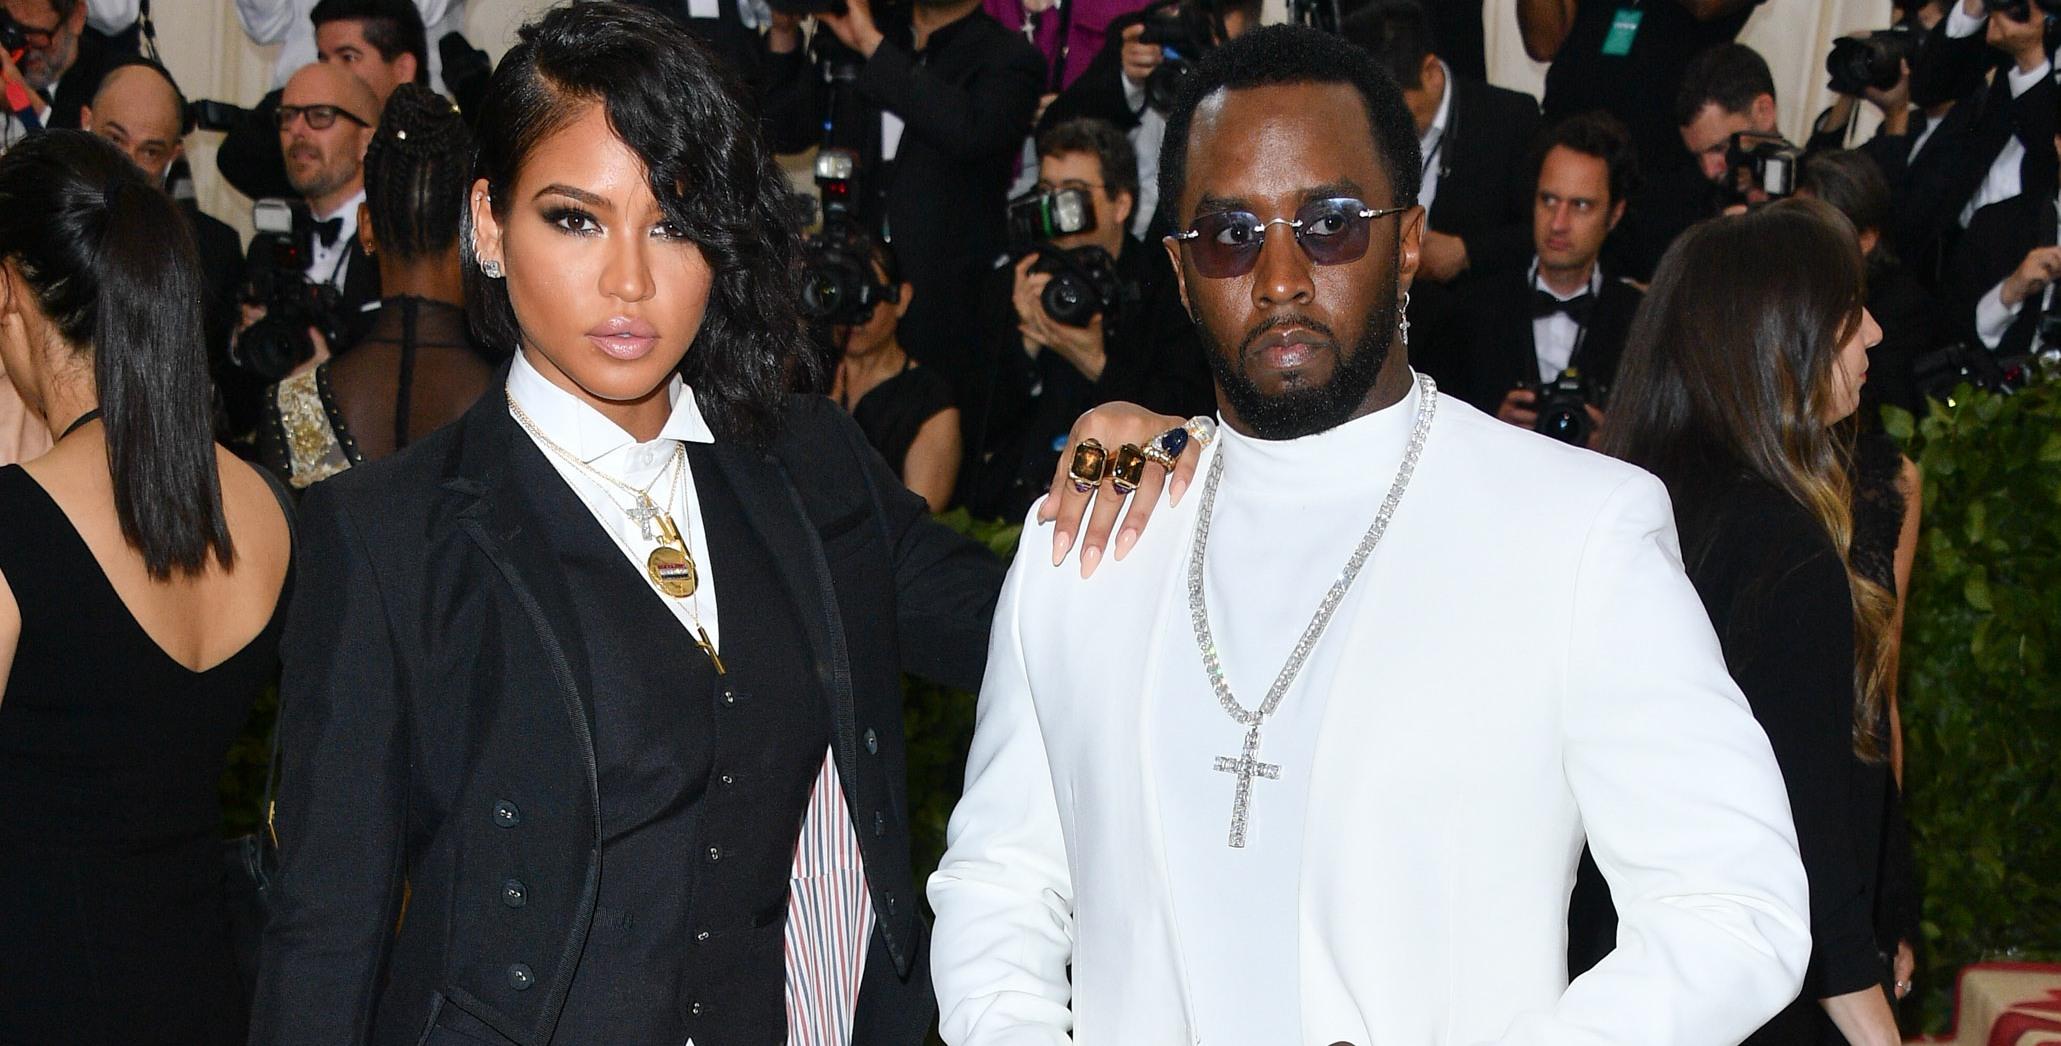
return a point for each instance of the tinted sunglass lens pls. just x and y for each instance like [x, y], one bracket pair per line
[1333, 233]
[1227, 244]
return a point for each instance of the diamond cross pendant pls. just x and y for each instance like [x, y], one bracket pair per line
[1247, 766]
[644, 513]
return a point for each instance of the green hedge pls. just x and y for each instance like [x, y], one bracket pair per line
[1981, 684]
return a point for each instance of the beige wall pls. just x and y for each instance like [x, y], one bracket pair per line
[205, 47]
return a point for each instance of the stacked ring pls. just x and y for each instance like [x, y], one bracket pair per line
[1203, 428]
[1089, 460]
[1127, 469]
[1166, 448]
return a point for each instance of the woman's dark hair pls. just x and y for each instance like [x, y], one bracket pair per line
[1729, 367]
[112, 264]
[1851, 182]
[416, 170]
[673, 104]
[1292, 54]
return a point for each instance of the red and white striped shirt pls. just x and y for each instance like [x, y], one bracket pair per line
[829, 920]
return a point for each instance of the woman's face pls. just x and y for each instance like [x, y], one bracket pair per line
[1850, 370]
[607, 292]
[867, 338]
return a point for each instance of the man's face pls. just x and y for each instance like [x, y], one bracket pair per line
[1083, 171]
[1710, 133]
[1572, 211]
[1296, 347]
[343, 42]
[53, 42]
[137, 111]
[322, 161]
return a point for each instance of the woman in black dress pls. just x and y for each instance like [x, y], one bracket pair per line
[1750, 351]
[905, 409]
[142, 577]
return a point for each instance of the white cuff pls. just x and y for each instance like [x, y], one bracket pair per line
[1134, 94]
[2022, 81]
[1993, 317]
[1961, 24]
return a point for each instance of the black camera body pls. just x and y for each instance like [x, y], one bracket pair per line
[838, 286]
[1767, 162]
[1084, 285]
[1858, 63]
[1563, 409]
[1185, 32]
[1044, 216]
[275, 278]
[12, 40]
[1941, 371]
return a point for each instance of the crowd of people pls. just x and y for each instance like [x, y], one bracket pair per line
[526, 363]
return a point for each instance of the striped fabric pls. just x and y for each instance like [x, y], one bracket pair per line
[829, 920]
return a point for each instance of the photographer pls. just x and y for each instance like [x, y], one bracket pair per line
[936, 100]
[381, 42]
[63, 59]
[295, 25]
[1555, 330]
[1048, 369]
[1476, 191]
[2000, 283]
[1130, 82]
[1908, 316]
[905, 410]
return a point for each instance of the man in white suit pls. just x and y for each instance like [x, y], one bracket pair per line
[1314, 762]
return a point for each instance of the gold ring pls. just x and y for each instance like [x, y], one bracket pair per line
[1089, 462]
[1127, 470]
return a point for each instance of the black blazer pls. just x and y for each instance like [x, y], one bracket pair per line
[436, 725]
[1485, 184]
[1496, 353]
[1998, 239]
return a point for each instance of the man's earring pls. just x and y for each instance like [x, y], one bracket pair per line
[1403, 328]
[492, 270]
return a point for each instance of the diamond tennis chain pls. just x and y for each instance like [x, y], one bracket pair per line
[1246, 765]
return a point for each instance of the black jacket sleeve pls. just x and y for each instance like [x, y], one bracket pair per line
[1505, 242]
[1097, 93]
[341, 803]
[968, 123]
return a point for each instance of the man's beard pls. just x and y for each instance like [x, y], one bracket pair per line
[1309, 409]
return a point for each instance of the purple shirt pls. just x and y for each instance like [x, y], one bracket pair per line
[1084, 36]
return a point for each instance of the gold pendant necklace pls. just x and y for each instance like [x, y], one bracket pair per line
[671, 564]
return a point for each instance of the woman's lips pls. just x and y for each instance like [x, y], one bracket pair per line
[625, 338]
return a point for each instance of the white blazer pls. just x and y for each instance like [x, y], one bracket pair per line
[1547, 673]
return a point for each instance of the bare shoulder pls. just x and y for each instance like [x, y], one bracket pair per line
[257, 520]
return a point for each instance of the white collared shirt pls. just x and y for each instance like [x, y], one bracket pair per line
[1993, 318]
[829, 913]
[2002, 181]
[1433, 137]
[330, 264]
[1554, 337]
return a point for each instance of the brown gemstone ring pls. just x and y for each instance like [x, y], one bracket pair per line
[1127, 469]
[1089, 461]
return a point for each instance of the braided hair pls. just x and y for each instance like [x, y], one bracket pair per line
[416, 171]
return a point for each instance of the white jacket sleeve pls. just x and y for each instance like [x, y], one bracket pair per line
[1003, 893]
[1683, 803]
[266, 21]
[112, 16]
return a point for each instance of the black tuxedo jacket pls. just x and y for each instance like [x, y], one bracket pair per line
[1998, 239]
[1485, 185]
[1496, 350]
[437, 725]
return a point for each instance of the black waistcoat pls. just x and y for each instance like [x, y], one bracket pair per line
[704, 780]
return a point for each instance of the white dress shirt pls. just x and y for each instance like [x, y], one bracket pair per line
[2002, 181]
[1428, 146]
[286, 22]
[1554, 337]
[830, 914]
[330, 263]
[1145, 140]
[1993, 317]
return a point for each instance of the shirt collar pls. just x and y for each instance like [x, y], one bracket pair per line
[348, 211]
[1595, 282]
[1445, 110]
[583, 431]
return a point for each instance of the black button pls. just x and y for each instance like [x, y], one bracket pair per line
[728, 780]
[702, 935]
[520, 978]
[731, 696]
[879, 823]
[715, 853]
[890, 902]
[513, 894]
[505, 814]
[695, 1009]
[872, 743]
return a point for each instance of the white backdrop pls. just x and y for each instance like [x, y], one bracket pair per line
[206, 49]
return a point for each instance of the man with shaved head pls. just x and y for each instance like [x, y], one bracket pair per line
[326, 117]
[139, 108]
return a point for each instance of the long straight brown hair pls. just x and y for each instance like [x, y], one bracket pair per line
[1730, 363]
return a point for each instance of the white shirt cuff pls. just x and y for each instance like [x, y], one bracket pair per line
[2022, 81]
[1134, 94]
[1961, 24]
[1993, 317]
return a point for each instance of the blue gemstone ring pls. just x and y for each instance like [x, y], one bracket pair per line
[1166, 447]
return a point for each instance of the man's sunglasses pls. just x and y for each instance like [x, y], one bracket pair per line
[1226, 244]
[319, 117]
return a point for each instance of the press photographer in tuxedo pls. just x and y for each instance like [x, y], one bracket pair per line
[1566, 314]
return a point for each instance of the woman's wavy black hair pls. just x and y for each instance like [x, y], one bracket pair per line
[674, 105]
[111, 263]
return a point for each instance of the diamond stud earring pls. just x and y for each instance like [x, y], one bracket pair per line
[491, 269]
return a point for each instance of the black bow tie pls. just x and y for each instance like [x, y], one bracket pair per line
[328, 231]
[1577, 308]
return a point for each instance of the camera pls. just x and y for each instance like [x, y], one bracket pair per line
[1876, 60]
[205, 115]
[1044, 216]
[1184, 32]
[1084, 285]
[12, 40]
[275, 278]
[2021, 10]
[1563, 408]
[838, 286]
[1942, 370]
[1763, 162]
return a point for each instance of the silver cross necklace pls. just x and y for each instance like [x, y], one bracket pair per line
[1247, 764]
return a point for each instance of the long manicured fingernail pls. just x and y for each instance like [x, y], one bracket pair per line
[1174, 489]
[1125, 538]
[1089, 557]
[1061, 541]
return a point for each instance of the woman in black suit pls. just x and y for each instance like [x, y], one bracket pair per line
[591, 724]
[1751, 348]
